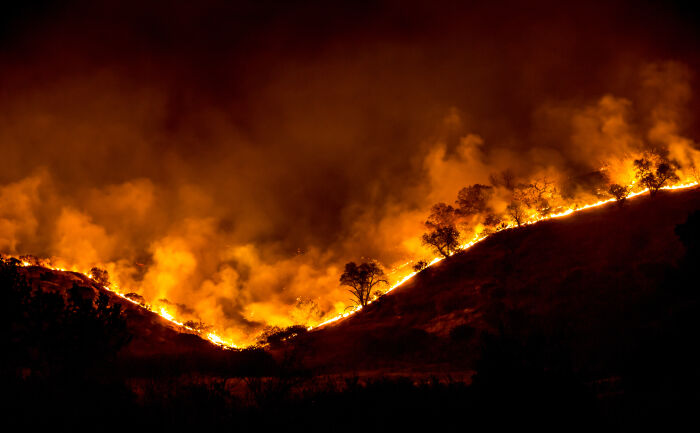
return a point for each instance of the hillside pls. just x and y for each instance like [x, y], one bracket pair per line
[593, 276]
[588, 321]
[595, 284]
[151, 334]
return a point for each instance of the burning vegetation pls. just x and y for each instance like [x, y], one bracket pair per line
[221, 195]
[238, 177]
[479, 210]
[527, 350]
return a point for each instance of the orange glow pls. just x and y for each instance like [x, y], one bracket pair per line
[477, 239]
[215, 338]
[162, 312]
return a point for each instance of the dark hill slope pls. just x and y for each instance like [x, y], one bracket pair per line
[156, 347]
[151, 334]
[595, 286]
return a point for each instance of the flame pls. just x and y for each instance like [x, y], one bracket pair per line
[162, 312]
[533, 220]
[214, 337]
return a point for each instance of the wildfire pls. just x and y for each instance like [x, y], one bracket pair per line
[477, 239]
[162, 312]
[215, 338]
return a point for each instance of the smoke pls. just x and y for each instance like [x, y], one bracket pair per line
[18, 201]
[226, 161]
[668, 93]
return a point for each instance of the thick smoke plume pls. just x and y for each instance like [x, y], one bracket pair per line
[225, 160]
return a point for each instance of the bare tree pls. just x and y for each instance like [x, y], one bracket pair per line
[362, 280]
[543, 187]
[536, 195]
[516, 211]
[655, 175]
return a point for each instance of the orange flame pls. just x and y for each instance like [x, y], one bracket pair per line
[214, 338]
[478, 239]
[162, 312]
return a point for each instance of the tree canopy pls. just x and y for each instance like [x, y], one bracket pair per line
[441, 214]
[472, 200]
[619, 192]
[442, 234]
[655, 174]
[362, 280]
[445, 240]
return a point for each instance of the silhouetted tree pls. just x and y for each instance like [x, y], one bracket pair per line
[420, 265]
[655, 175]
[51, 335]
[197, 325]
[13, 262]
[536, 195]
[442, 234]
[441, 215]
[473, 199]
[445, 240]
[275, 336]
[15, 294]
[379, 292]
[516, 211]
[619, 192]
[136, 298]
[362, 279]
[97, 326]
[100, 276]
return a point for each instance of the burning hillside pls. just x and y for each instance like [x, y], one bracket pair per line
[198, 195]
[576, 313]
[529, 216]
[603, 278]
[151, 332]
[226, 178]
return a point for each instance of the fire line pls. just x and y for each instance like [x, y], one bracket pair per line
[214, 338]
[510, 226]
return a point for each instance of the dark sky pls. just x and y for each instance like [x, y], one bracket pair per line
[283, 126]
